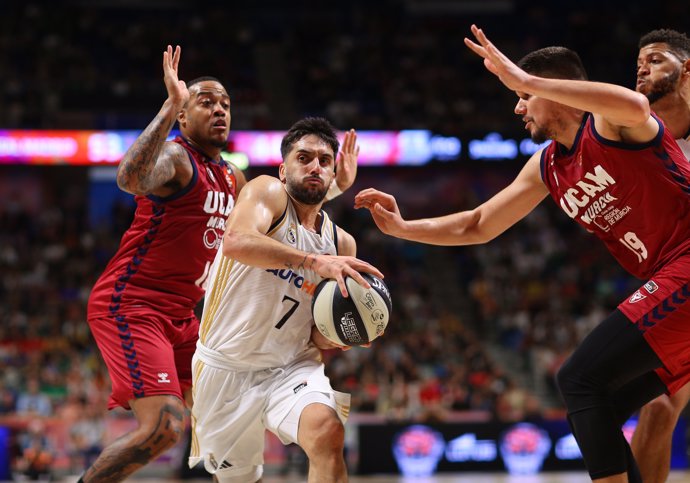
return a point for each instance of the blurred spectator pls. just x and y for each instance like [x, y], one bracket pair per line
[87, 436]
[36, 453]
[32, 402]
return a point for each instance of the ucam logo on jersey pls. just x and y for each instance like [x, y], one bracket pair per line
[590, 194]
[218, 205]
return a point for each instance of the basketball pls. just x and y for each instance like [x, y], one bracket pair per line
[354, 320]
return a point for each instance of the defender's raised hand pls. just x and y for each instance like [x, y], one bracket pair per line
[512, 76]
[346, 171]
[177, 89]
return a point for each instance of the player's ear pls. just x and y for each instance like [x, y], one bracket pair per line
[281, 172]
[182, 116]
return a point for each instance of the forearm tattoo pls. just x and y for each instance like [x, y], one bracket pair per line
[137, 166]
[305, 264]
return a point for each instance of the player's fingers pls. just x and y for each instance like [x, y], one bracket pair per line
[353, 140]
[382, 211]
[347, 142]
[479, 35]
[476, 48]
[357, 277]
[176, 57]
[167, 53]
[341, 284]
[362, 266]
[368, 192]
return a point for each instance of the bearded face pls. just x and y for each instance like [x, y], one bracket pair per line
[310, 190]
[663, 86]
[308, 170]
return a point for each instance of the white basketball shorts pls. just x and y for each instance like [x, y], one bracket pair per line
[232, 409]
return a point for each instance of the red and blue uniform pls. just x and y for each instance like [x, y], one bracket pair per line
[636, 199]
[141, 309]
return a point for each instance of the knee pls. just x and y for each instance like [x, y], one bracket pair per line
[161, 428]
[567, 378]
[327, 437]
[660, 414]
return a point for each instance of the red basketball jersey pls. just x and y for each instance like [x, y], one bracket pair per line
[165, 255]
[635, 197]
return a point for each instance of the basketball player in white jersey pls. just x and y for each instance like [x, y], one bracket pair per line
[257, 365]
[663, 75]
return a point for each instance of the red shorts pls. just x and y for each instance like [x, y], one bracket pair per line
[661, 310]
[147, 354]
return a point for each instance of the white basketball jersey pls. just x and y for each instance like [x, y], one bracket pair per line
[256, 318]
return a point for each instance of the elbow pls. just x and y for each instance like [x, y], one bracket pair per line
[124, 184]
[475, 231]
[232, 243]
[128, 185]
[639, 109]
[124, 181]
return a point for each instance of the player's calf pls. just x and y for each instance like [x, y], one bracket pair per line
[161, 425]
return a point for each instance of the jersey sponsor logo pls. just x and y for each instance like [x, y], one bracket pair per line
[636, 297]
[163, 377]
[212, 239]
[218, 204]
[295, 279]
[299, 387]
[589, 194]
[651, 287]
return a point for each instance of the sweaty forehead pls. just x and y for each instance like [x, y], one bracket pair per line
[312, 143]
[209, 88]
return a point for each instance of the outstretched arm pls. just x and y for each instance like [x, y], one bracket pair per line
[621, 112]
[480, 225]
[150, 165]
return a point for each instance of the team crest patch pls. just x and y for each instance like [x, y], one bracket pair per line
[636, 297]
[291, 234]
[651, 287]
[228, 179]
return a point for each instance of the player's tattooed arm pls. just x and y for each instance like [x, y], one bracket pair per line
[307, 262]
[150, 162]
[150, 165]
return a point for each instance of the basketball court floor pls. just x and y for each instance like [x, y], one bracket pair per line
[561, 477]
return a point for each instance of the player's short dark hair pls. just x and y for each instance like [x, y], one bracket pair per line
[317, 126]
[678, 42]
[555, 63]
[203, 79]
